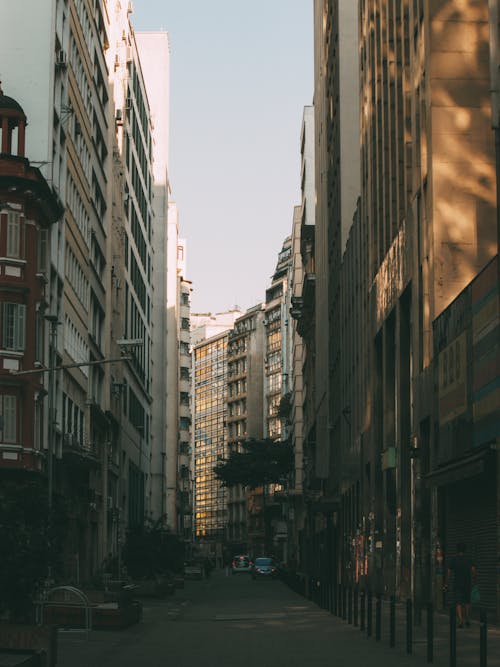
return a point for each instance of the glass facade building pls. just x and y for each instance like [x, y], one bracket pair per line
[210, 435]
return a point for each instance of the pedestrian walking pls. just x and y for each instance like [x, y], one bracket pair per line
[464, 578]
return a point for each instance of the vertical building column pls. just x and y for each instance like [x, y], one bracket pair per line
[5, 136]
[21, 138]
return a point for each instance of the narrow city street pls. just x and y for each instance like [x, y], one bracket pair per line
[230, 621]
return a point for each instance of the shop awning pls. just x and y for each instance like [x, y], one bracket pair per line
[470, 466]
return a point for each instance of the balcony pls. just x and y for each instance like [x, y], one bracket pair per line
[75, 451]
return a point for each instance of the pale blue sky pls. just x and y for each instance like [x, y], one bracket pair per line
[241, 73]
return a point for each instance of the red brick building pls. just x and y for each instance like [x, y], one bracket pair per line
[28, 207]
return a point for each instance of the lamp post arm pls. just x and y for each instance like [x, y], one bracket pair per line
[31, 371]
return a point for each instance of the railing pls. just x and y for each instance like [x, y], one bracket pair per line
[74, 597]
[397, 621]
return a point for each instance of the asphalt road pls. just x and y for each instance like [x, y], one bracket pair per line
[232, 622]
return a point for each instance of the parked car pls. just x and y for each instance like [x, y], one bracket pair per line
[241, 563]
[265, 567]
[193, 569]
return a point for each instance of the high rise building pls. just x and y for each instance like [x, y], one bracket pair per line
[210, 436]
[302, 287]
[210, 375]
[266, 528]
[79, 78]
[154, 50]
[429, 196]
[133, 126]
[245, 408]
[183, 452]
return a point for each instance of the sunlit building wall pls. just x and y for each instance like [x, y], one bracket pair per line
[132, 121]
[210, 436]
[61, 74]
[184, 493]
[154, 52]
[266, 527]
[245, 406]
[429, 197]
[276, 380]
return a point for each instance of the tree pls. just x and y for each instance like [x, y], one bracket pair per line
[30, 541]
[263, 462]
[151, 551]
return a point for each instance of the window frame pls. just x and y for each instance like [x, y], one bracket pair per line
[16, 339]
[10, 427]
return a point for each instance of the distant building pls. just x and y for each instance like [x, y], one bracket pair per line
[245, 407]
[184, 457]
[210, 376]
[266, 529]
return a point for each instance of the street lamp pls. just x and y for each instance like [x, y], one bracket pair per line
[53, 321]
[51, 369]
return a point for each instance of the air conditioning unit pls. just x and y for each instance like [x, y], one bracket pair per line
[119, 117]
[61, 59]
[128, 103]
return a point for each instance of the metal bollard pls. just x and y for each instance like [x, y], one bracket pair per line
[409, 626]
[392, 622]
[369, 614]
[362, 619]
[483, 639]
[430, 632]
[453, 636]
[349, 606]
[356, 606]
[378, 618]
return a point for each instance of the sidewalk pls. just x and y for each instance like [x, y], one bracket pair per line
[467, 639]
[188, 629]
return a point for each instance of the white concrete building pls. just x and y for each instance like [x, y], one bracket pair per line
[154, 54]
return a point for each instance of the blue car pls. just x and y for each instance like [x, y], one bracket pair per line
[264, 567]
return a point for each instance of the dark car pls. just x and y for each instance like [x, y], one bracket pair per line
[265, 567]
[241, 563]
[193, 569]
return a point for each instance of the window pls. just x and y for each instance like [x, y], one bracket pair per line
[8, 418]
[39, 336]
[13, 234]
[14, 326]
[43, 242]
[185, 323]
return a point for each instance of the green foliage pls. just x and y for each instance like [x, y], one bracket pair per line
[152, 551]
[29, 543]
[262, 462]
